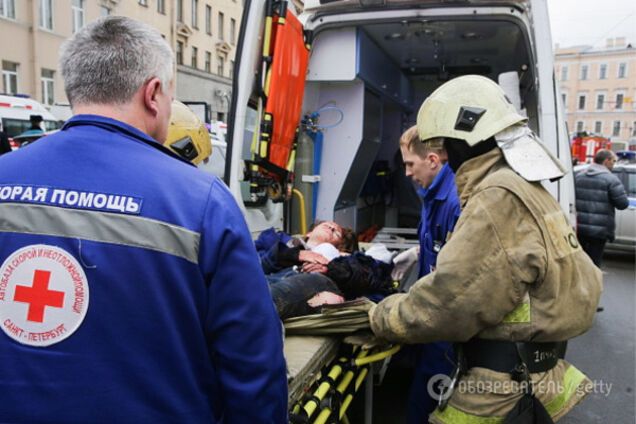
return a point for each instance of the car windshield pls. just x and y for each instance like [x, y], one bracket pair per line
[15, 127]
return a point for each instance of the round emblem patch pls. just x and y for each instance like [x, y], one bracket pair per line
[43, 295]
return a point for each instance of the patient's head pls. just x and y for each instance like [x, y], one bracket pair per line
[344, 239]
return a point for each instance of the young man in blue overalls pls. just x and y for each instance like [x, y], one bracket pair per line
[425, 165]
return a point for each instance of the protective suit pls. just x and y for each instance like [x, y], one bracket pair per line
[512, 271]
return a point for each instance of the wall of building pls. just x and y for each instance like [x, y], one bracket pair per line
[33, 47]
[578, 71]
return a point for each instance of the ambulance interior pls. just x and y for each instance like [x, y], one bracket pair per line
[367, 83]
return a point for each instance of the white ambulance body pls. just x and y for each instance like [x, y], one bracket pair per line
[15, 113]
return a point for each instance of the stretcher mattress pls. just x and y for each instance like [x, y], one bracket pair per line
[306, 356]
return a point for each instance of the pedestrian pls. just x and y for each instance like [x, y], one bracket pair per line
[425, 164]
[598, 194]
[512, 284]
[36, 122]
[5, 146]
[131, 290]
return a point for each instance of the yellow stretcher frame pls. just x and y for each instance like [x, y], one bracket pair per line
[340, 380]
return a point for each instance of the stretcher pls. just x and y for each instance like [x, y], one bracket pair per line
[285, 57]
[324, 374]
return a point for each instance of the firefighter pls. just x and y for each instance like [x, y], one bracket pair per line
[131, 290]
[512, 284]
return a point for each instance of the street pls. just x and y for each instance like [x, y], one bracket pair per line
[606, 354]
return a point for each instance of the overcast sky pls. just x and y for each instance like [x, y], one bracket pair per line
[576, 22]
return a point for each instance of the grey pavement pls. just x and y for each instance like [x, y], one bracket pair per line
[607, 352]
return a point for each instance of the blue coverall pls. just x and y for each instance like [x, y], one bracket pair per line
[179, 325]
[440, 212]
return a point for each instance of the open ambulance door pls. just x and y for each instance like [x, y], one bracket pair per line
[268, 85]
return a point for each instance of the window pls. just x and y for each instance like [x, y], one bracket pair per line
[232, 30]
[104, 11]
[581, 104]
[143, 2]
[564, 99]
[634, 129]
[7, 8]
[208, 19]
[179, 10]
[161, 6]
[48, 92]
[220, 67]
[622, 70]
[579, 126]
[179, 52]
[584, 69]
[564, 73]
[221, 31]
[78, 14]
[195, 54]
[208, 62]
[195, 14]
[598, 127]
[602, 71]
[9, 77]
[46, 14]
[600, 100]
[616, 129]
[619, 101]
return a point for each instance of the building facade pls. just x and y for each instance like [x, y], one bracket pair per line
[203, 34]
[598, 88]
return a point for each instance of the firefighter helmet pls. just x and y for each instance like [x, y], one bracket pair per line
[187, 135]
[471, 108]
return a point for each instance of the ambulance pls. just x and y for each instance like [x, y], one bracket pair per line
[322, 92]
[15, 112]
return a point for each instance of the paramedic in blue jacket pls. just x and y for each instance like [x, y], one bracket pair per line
[425, 165]
[130, 289]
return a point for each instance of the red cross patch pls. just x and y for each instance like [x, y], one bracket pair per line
[43, 295]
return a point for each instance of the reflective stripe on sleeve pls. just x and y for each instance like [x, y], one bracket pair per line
[521, 314]
[105, 227]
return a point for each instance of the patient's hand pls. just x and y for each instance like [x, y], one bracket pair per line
[313, 267]
[309, 257]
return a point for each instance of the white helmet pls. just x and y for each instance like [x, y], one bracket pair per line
[474, 109]
[471, 108]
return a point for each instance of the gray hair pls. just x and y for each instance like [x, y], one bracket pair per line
[107, 61]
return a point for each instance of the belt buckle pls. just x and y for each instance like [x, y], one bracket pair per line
[447, 391]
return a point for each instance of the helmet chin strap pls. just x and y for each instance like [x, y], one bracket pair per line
[459, 151]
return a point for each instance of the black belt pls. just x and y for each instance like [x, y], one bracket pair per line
[503, 356]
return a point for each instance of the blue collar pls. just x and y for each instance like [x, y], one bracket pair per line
[441, 187]
[110, 124]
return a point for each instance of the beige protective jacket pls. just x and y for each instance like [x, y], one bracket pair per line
[512, 270]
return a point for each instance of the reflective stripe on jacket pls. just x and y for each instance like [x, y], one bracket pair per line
[180, 326]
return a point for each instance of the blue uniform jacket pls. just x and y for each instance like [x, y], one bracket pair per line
[440, 212]
[179, 325]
